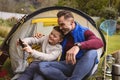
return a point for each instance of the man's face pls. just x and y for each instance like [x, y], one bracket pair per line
[65, 24]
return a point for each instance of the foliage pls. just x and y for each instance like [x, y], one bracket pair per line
[8, 22]
[118, 21]
[15, 6]
[118, 27]
[5, 26]
[109, 13]
[68, 3]
[24, 6]
[115, 4]
[91, 7]
[4, 31]
[11, 21]
[3, 22]
[100, 21]
[113, 43]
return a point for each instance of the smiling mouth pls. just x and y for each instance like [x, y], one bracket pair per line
[64, 30]
[50, 39]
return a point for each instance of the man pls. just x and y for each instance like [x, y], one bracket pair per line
[79, 51]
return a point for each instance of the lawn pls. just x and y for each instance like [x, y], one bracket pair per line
[113, 45]
[0, 41]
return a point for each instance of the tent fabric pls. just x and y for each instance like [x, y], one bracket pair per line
[25, 28]
[18, 62]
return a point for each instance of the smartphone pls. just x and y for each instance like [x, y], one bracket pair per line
[21, 43]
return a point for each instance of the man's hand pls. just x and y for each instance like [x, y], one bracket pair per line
[38, 35]
[71, 55]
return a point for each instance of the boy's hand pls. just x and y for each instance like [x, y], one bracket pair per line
[38, 35]
[27, 48]
[20, 43]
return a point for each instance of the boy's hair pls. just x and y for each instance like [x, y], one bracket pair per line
[65, 13]
[57, 28]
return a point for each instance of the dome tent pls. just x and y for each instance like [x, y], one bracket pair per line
[41, 21]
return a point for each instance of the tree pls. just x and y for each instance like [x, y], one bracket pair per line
[3, 4]
[68, 3]
[91, 7]
[109, 13]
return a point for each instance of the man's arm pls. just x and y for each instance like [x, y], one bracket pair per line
[91, 41]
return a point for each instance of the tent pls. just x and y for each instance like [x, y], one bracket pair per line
[41, 21]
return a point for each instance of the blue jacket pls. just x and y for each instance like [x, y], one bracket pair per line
[78, 35]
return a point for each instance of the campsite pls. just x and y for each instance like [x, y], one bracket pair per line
[105, 27]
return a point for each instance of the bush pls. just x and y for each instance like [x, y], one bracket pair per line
[4, 31]
[118, 27]
[1, 21]
[109, 13]
[118, 21]
[9, 22]
[100, 21]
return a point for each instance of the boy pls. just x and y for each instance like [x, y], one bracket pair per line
[51, 50]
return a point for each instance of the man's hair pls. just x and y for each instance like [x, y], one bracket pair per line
[57, 28]
[65, 13]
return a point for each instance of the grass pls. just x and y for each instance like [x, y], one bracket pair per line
[0, 41]
[113, 45]
[4, 31]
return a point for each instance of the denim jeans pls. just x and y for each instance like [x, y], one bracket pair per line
[38, 77]
[30, 71]
[62, 71]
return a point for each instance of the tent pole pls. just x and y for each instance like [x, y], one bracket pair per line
[106, 55]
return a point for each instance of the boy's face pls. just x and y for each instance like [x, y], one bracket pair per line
[54, 37]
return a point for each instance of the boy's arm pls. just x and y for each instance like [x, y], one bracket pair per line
[52, 55]
[33, 40]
